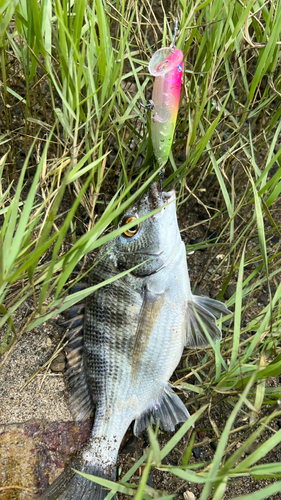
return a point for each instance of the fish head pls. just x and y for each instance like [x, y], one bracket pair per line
[151, 242]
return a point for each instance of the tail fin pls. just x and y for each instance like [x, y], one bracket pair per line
[71, 486]
[201, 315]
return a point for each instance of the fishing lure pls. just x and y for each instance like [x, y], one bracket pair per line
[166, 65]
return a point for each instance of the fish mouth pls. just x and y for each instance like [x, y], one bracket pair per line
[157, 198]
[169, 194]
[149, 254]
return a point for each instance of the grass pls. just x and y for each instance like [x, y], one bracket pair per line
[72, 73]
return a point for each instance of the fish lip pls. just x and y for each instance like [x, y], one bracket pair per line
[166, 195]
[152, 254]
[157, 197]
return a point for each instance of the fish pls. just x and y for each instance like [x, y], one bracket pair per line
[167, 66]
[128, 337]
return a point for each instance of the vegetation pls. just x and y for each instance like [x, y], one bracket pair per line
[73, 73]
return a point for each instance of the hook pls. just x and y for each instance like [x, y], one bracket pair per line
[149, 105]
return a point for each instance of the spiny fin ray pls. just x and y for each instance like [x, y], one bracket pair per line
[80, 399]
[203, 311]
[168, 409]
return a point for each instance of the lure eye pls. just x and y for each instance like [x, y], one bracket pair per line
[162, 65]
[133, 230]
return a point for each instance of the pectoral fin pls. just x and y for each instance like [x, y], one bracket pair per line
[150, 310]
[201, 318]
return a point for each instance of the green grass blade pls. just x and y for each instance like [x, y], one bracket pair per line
[237, 314]
[181, 432]
[223, 442]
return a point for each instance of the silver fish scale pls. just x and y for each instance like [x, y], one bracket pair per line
[109, 341]
[110, 327]
[132, 340]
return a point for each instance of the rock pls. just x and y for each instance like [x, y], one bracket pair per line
[150, 481]
[200, 290]
[220, 256]
[252, 448]
[49, 342]
[213, 236]
[58, 364]
[34, 453]
[231, 290]
[214, 445]
[188, 495]
[182, 156]
[196, 452]
[169, 461]
[263, 298]
[273, 169]
[275, 240]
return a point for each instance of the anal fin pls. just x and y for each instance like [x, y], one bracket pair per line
[168, 410]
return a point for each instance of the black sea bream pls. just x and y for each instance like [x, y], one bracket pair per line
[129, 339]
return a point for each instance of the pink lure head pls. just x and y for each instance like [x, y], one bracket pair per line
[165, 61]
[166, 65]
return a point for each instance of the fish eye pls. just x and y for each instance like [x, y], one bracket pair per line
[133, 230]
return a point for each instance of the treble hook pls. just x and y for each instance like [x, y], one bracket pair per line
[149, 105]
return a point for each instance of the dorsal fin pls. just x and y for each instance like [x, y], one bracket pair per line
[80, 400]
